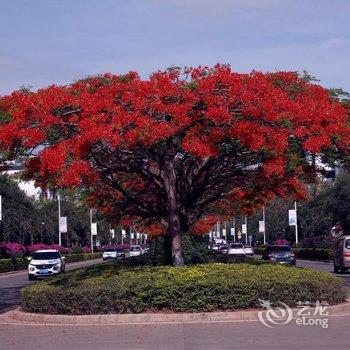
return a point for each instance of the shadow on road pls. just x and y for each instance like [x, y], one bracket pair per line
[9, 298]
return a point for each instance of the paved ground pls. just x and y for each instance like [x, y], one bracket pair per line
[218, 336]
[10, 285]
[325, 266]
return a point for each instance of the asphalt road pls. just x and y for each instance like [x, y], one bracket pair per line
[327, 267]
[11, 284]
[200, 336]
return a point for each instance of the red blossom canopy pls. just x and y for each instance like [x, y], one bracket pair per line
[179, 147]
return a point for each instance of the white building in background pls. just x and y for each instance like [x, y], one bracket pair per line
[14, 167]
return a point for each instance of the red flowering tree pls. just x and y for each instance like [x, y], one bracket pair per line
[175, 151]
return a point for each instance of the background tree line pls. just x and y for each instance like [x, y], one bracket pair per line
[316, 215]
[28, 221]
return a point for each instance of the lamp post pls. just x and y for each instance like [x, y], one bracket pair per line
[91, 235]
[59, 217]
[296, 223]
[264, 226]
[1, 229]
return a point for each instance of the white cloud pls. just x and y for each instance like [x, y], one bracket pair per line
[334, 43]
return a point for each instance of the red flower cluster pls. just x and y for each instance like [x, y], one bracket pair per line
[110, 133]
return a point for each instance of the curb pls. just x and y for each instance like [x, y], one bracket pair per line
[12, 272]
[19, 317]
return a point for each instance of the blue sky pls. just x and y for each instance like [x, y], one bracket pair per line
[58, 41]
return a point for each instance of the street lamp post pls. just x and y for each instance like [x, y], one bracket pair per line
[296, 223]
[42, 232]
[59, 216]
[91, 235]
[234, 229]
[264, 226]
[1, 230]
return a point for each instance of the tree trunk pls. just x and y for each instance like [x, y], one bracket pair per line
[174, 228]
[175, 240]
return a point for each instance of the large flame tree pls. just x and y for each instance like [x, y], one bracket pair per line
[173, 152]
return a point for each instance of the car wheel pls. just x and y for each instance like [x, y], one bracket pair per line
[343, 270]
[31, 277]
[336, 269]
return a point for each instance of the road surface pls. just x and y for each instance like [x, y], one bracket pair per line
[218, 336]
[11, 284]
[327, 267]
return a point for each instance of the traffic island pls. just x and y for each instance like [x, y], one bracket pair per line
[112, 289]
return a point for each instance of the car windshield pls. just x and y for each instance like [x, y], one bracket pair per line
[46, 255]
[237, 245]
[120, 251]
[280, 249]
[110, 250]
[347, 244]
[132, 249]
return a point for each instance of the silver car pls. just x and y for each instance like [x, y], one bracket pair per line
[248, 250]
[342, 254]
[236, 249]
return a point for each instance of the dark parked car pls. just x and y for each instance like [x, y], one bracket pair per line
[224, 248]
[282, 254]
[120, 253]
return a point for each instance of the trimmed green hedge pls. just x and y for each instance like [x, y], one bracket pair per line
[259, 251]
[110, 288]
[314, 253]
[81, 257]
[7, 265]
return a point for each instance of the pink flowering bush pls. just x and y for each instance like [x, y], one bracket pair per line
[34, 247]
[282, 242]
[109, 246]
[58, 247]
[13, 249]
[75, 250]
[324, 241]
[86, 249]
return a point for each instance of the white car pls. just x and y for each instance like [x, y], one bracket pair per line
[236, 249]
[248, 250]
[45, 263]
[110, 253]
[135, 250]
